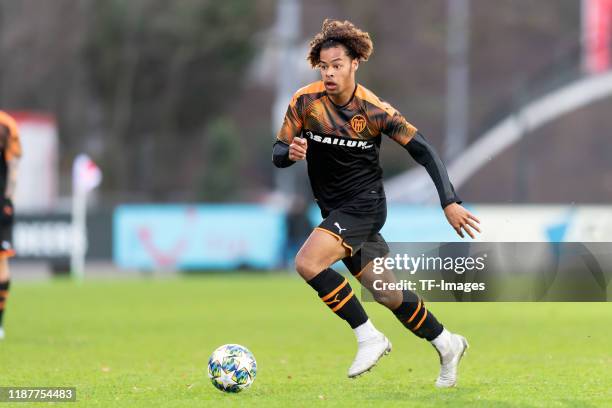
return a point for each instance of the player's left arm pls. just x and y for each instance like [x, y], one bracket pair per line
[426, 155]
[458, 217]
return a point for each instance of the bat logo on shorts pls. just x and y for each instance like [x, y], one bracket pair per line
[340, 229]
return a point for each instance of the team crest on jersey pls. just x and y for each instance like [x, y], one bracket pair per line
[358, 123]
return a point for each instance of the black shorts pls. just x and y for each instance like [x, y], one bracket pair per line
[355, 224]
[6, 240]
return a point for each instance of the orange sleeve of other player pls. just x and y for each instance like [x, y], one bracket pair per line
[13, 144]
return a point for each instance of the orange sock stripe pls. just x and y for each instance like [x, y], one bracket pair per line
[2, 302]
[4, 293]
[346, 299]
[415, 312]
[421, 322]
[334, 300]
[333, 292]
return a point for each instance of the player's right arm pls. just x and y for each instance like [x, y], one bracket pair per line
[289, 146]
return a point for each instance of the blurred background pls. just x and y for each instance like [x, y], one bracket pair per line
[178, 104]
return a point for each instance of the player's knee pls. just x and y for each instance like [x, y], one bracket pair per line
[389, 298]
[306, 267]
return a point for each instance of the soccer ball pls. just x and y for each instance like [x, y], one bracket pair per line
[232, 368]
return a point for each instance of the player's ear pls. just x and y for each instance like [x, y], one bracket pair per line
[355, 63]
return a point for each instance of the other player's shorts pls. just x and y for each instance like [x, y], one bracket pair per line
[6, 240]
[355, 224]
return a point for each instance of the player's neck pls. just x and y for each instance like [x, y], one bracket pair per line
[345, 96]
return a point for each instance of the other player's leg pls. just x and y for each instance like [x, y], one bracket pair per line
[321, 250]
[6, 251]
[4, 289]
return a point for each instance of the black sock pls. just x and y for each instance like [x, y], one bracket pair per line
[4, 290]
[414, 316]
[335, 291]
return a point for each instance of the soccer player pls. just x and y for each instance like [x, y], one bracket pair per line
[10, 150]
[335, 125]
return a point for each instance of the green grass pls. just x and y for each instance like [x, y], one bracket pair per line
[145, 343]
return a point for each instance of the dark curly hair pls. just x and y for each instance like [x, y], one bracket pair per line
[335, 32]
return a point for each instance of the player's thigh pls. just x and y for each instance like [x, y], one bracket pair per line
[360, 264]
[4, 270]
[371, 273]
[319, 252]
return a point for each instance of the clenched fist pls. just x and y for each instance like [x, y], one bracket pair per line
[297, 149]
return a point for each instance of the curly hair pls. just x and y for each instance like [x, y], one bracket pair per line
[335, 32]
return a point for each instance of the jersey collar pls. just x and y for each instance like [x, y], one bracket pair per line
[349, 101]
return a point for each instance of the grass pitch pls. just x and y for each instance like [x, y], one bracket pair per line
[145, 343]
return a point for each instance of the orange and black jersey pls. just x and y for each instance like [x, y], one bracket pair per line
[11, 148]
[343, 141]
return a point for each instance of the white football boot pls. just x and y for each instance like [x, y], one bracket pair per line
[450, 347]
[1, 333]
[368, 353]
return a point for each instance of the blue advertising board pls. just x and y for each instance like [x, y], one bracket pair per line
[198, 236]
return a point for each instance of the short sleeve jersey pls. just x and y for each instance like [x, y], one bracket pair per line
[343, 141]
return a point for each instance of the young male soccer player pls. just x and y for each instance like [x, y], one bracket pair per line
[10, 152]
[336, 126]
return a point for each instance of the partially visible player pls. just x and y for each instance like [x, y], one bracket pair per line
[10, 152]
[336, 125]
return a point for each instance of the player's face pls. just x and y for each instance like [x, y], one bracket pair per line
[337, 70]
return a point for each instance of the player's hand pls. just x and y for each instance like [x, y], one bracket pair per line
[461, 219]
[297, 149]
[7, 211]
